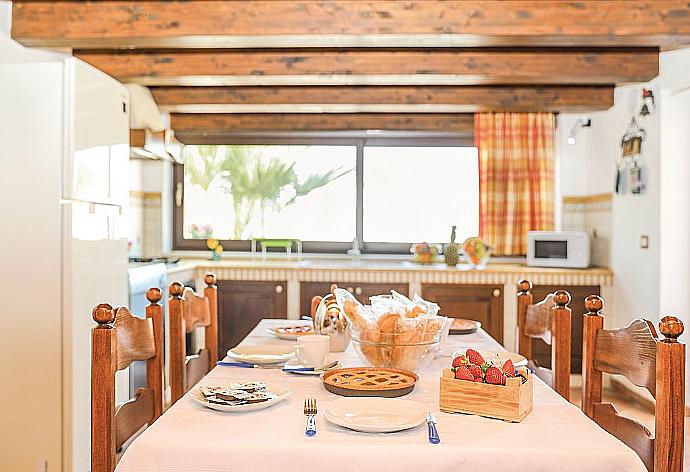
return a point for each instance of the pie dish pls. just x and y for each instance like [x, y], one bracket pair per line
[369, 382]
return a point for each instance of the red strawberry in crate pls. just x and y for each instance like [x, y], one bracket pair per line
[508, 368]
[474, 357]
[463, 373]
[494, 376]
[460, 361]
[476, 371]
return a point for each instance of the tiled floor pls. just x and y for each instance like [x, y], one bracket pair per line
[632, 409]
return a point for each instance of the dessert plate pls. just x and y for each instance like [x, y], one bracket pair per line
[281, 393]
[499, 357]
[262, 354]
[291, 333]
[375, 415]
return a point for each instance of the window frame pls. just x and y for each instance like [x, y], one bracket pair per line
[359, 140]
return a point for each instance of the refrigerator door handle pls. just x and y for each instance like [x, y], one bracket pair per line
[92, 205]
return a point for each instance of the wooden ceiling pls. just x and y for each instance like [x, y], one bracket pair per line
[349, 65]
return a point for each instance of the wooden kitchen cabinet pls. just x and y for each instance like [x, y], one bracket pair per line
[242, 304]
[542, 351]
[361, 291]
[481, 302]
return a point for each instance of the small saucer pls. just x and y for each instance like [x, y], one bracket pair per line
[297, 364]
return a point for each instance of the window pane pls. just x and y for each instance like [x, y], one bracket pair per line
[273, 191]
[415, 194]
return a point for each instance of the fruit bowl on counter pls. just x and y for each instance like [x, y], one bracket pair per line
[476, 253]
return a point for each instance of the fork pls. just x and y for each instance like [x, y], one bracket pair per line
[310, 412]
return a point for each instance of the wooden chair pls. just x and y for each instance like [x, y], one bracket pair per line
[120, 339]
[548, 320]
[647, 361]
[187, 311]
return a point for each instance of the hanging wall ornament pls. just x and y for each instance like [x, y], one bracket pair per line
[631, 151]
[647, 107]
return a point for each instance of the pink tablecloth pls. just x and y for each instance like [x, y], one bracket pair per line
[556, 436]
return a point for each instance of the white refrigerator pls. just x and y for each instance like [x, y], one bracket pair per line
[64, 154]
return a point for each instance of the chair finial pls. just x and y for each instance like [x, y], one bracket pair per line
[154, 295]
[561, 298]
[671, 327]
[176, 290]
[524, 286]
[103, 314]
[210, 279]
[594, 304]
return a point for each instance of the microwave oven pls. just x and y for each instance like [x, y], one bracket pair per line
[558, 249]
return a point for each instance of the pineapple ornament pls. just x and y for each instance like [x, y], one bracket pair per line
[451, 253]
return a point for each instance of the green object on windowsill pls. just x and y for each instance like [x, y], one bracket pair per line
[285, 244]
[272, 243]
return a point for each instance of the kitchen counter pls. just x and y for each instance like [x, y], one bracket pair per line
[381, 271]
[285, 286]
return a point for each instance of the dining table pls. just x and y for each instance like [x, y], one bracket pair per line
[555, 436]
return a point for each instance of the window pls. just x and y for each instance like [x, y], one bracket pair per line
[417, 193]
[385, 193]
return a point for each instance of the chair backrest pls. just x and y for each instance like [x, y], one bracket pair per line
[187, 311]
[548, 320]
[658, 365]
[118, 340]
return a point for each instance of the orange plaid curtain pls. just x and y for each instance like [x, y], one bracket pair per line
[516, 177]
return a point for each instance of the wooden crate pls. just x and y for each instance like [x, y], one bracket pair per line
[509, 402]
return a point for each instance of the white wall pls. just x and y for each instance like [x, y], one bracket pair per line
[655, 281]
[636, 270]
[5, 18]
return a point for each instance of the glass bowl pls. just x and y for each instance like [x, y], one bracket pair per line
[396, 350]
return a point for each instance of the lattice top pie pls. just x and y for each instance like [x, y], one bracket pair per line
[370, 379]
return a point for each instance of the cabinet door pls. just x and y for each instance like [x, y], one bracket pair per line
[480, 302]
[242, 304]
[542, 351]
[362, 291]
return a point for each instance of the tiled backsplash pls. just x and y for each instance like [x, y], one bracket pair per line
[591, 213]
[146, 222]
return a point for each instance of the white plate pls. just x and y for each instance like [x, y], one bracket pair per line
[286, 336]
[262, 353]
[296, 364]
[281, 392]
[375, 415]
[500, 357]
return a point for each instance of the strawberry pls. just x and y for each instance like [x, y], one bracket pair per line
[460, 361]
[508, 368]
[474, 357]
[463, 373]
[476, 371]
[494, 376]
[478, 379]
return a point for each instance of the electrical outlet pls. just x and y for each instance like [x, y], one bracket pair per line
[644, 242]
[41, 465]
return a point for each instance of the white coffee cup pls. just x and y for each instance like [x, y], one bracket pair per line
[313, 350]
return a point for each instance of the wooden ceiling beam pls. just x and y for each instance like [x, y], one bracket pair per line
[345, 23]
[190, 126]
[378, 67]
[383, 99]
